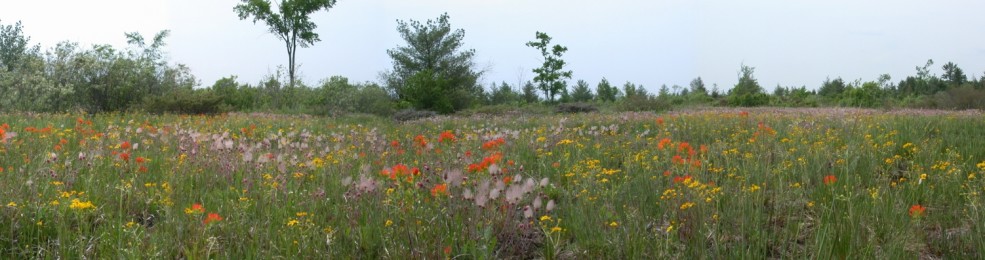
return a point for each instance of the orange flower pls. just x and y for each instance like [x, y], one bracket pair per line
[212, 217]
[447, 250]
[421, 140]
[195, 209]
[680, 179]
[125, 145]
[446, 136]
[507, 180]
[141, 160]
[125, 156]
[677, 159]
[493, 144]
[395, 144]
[917, 210]
[830, 179]
[660, 120]
[663, 142]
[440, 189]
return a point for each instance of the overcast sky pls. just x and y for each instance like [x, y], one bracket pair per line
[791, 43]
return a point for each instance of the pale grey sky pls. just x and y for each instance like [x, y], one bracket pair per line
[791, 43]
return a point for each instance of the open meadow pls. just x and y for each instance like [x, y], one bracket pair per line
[702, 183]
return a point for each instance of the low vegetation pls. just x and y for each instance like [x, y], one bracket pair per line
[759, 183]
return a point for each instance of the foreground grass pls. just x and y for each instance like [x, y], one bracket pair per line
[719, 183]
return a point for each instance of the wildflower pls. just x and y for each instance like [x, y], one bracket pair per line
[125, 156]
[12, 204]
[545, 218]
[125, 145]
[81, 205]
[195, 209]
[830, 179]
[555, 229]
[662, 143]
[292, 222]
[440, 189]
[141, 159]
[388, 223]
[493, 144]
[614, 224]
[687, 205]
[447, 250]
[212, 217]
[917, 210]
[421, 141]
[447, 135]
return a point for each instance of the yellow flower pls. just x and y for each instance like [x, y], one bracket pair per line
[388, 223]
[810, 204]
[301, 214]
[81, 205]
[12, 204]
[613, 224]
[293, 222]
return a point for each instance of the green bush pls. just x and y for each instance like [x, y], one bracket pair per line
[748, 100]
[642, 103]
[960, 98]
[575, 108]
[413, 114]
[186, 101]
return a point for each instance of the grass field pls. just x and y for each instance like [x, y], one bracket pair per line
[755, 183]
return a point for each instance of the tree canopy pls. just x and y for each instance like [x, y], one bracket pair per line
[289, 21]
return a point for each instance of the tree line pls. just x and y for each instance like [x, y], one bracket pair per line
[430, 71]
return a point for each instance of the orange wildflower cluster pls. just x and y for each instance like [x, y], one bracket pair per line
[917, 210]
[447, 135]
[493, 144]
[663, 143]
[212, 217]
[401, 170]
[31, 129]
[197, 208]
[685, 148]
[421, 141]
[679, 179]
[3, 132]
[440, 189]
[486, 162]
[830, 179]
